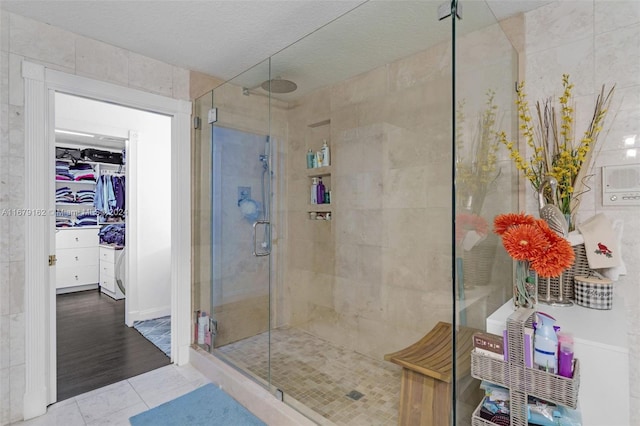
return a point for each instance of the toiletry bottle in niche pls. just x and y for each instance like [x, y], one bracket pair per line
[310, 158]
[314, 191]
[320, 189]
[325, 153]
[319, 159]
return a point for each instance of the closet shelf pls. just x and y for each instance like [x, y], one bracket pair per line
[85, 182]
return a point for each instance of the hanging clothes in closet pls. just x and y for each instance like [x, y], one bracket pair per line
[109, 196]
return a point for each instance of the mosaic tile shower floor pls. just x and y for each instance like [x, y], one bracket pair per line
[320, 375]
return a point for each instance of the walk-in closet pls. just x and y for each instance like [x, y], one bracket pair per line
[108, 328]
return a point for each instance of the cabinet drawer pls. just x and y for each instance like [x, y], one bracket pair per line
[73, 238]
[109, 255]
[108, 283]
[107, 269]
[77, 257]
[81, 275]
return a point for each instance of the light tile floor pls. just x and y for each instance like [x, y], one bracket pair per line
[114, 404]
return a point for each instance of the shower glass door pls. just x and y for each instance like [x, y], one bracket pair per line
[240, 226]
[486, 68]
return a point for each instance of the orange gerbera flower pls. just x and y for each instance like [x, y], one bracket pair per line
[504, 222]
[556, 258]
[470, 222]
[524, 242]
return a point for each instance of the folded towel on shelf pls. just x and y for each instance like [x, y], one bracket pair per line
[600, 242]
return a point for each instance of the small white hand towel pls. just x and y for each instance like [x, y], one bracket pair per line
[600, 242]
[614, 273]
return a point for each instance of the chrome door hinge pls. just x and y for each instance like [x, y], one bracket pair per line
[52, 259]
[196, 122]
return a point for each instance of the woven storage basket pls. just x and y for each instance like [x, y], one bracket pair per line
[520, 380]
[580, 267]
[476, 420]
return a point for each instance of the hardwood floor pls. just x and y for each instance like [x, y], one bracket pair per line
[94, 346]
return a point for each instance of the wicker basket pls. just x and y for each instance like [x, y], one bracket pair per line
[550, 387]
[580, 267]
[520, 380]
[476, 420]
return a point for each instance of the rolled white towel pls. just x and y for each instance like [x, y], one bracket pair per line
[575, 238]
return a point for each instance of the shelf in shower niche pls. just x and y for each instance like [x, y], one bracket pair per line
[319, 171]
[320, 123]
[321, 208]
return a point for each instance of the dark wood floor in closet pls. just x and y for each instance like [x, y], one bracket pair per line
[95, 347]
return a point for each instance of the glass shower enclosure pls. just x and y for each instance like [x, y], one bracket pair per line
[310, 299]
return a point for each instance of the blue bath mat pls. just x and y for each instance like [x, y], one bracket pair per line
[205, 406]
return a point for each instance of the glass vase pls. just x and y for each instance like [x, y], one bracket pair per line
[525, 286]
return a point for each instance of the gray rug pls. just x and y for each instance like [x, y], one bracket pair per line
[157, 331]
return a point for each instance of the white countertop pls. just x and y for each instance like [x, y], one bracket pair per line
[604, 328]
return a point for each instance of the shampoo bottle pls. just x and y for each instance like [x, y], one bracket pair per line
[320, 195]
[203, 326]
[325, 153]
[314, 191]
[545, 344]
[310, 158]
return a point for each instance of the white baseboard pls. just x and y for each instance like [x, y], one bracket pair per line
[148, 314]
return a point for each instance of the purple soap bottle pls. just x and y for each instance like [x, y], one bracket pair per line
[320, 190]
[565, 355]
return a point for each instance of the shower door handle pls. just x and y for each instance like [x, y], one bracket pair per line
[267, 249]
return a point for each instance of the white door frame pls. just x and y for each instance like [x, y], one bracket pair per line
[40, 348]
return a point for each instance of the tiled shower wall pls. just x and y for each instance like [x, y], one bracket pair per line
[23, 38]
[597, 43]
[377, 277]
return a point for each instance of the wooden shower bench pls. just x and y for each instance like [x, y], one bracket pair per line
[425, 393]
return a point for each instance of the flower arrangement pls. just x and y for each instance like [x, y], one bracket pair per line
[550, 135]
[529, 239]
[469, 222]
[475, 174]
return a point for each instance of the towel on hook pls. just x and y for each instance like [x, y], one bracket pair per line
[600, 242]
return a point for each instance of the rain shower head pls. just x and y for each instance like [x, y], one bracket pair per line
[278, 85]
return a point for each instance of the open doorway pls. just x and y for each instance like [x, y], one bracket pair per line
[112, 243]
[40, 86]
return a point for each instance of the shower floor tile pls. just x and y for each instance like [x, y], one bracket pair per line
[321, 376]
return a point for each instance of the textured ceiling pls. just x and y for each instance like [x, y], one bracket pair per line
[224, 38]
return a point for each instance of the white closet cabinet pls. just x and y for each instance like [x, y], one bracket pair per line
[108, 257]
[76, 258]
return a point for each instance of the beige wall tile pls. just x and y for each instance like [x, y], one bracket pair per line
[180, 83]
[150, 74]
[102, 61]
[558, 21]
[617, 57]
[36, 40]
[613, 16]
[4, 32]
